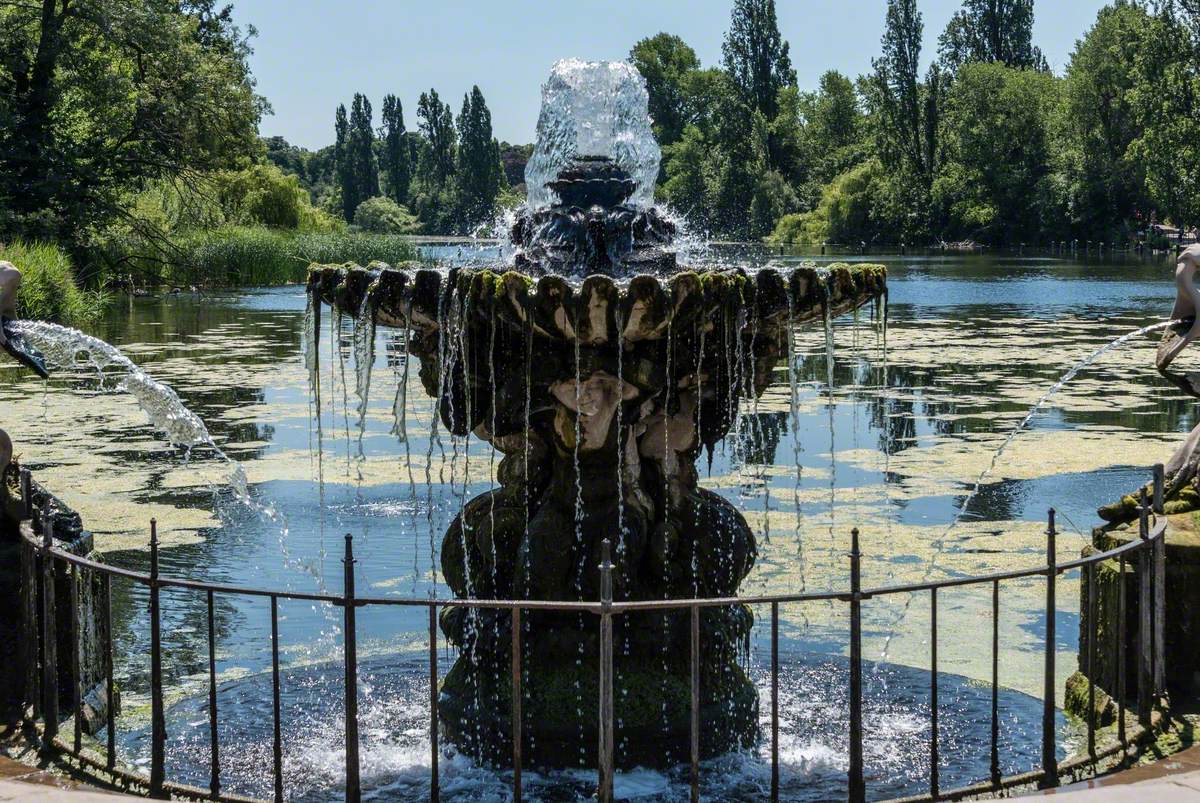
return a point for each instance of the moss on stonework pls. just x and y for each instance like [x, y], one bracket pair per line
[1075, 701]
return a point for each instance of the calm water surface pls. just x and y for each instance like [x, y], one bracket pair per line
[892, 448]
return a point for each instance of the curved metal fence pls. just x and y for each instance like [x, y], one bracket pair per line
[40, 557]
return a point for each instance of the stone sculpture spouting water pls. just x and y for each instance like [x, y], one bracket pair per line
[10, 340]
[600, 394]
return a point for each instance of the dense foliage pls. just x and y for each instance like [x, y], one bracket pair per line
[48, 287]
[97, 97]
[985, 144]
[129, 138]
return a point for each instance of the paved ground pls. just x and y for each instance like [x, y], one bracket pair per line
[1172, 779]
[20, 782]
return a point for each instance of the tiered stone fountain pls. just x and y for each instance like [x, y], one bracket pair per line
[600, 369]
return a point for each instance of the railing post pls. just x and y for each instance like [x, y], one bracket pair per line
[1159, 482]
[1049, 753]
[76, 676]
[1092, 632]
[1121, 638]
[1159, 552]
[214, 745]
[27, 493]
[110, 686]
[350, 660]
[1145, 616]
[695, 694]
[49, 639]
[434, 785]
[858, 787]
[158, 725]
[516, 703]
[605, 791]
[934, 785]
[774, 702]
[995, 733]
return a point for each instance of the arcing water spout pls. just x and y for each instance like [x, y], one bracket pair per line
[940, 543]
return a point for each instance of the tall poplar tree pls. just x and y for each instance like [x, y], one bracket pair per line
[480, 175]
[345, 176]
[395, 159]
[992, 30]
[906, 106]
[360, 147]
[755, 55]
[436, 123]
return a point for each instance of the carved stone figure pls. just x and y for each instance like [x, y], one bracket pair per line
[1187, 301]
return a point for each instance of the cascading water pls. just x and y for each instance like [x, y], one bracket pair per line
[64, 347]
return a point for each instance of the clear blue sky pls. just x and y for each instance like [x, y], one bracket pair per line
[312, 54]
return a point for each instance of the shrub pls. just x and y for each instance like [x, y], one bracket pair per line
[242, 256]
[48, 288]
[847, 213]
[382, 215]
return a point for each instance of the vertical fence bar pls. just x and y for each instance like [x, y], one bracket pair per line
[1158, 485]
[76, 677]
[516, 703]
[28, 601]
[434, 790]
[1092, 632]
[995, 762]
[158, 725]
[49, 639]
[1049, 754]
[934, 792]
[1159, 552]
[214, 746]
[277, 743]
[695, 729]
[605, 791]
[110, 686]
[1121, 637]
[857, 783]
[350, 664]
[1145, 626]
[774, 702]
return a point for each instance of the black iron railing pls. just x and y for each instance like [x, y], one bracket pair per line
[40, 559]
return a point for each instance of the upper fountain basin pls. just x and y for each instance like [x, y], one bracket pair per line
[600, 309]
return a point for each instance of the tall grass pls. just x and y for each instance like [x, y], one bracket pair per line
[48, 288]
[238, 256]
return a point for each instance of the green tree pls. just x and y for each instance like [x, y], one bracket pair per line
[991, 30]
[360, 149]
[1167, 102]
[395, 159]
[666, 61]
[755, 55]
[479, 172]
[758, 66]
[99, 96]
[436, 122]
[689, 177]
[347, 183]
[382, 215]
[832, 135]
[1100, 179]
[996, 183]
[906, 112]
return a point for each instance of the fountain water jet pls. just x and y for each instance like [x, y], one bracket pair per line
[585, 366]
